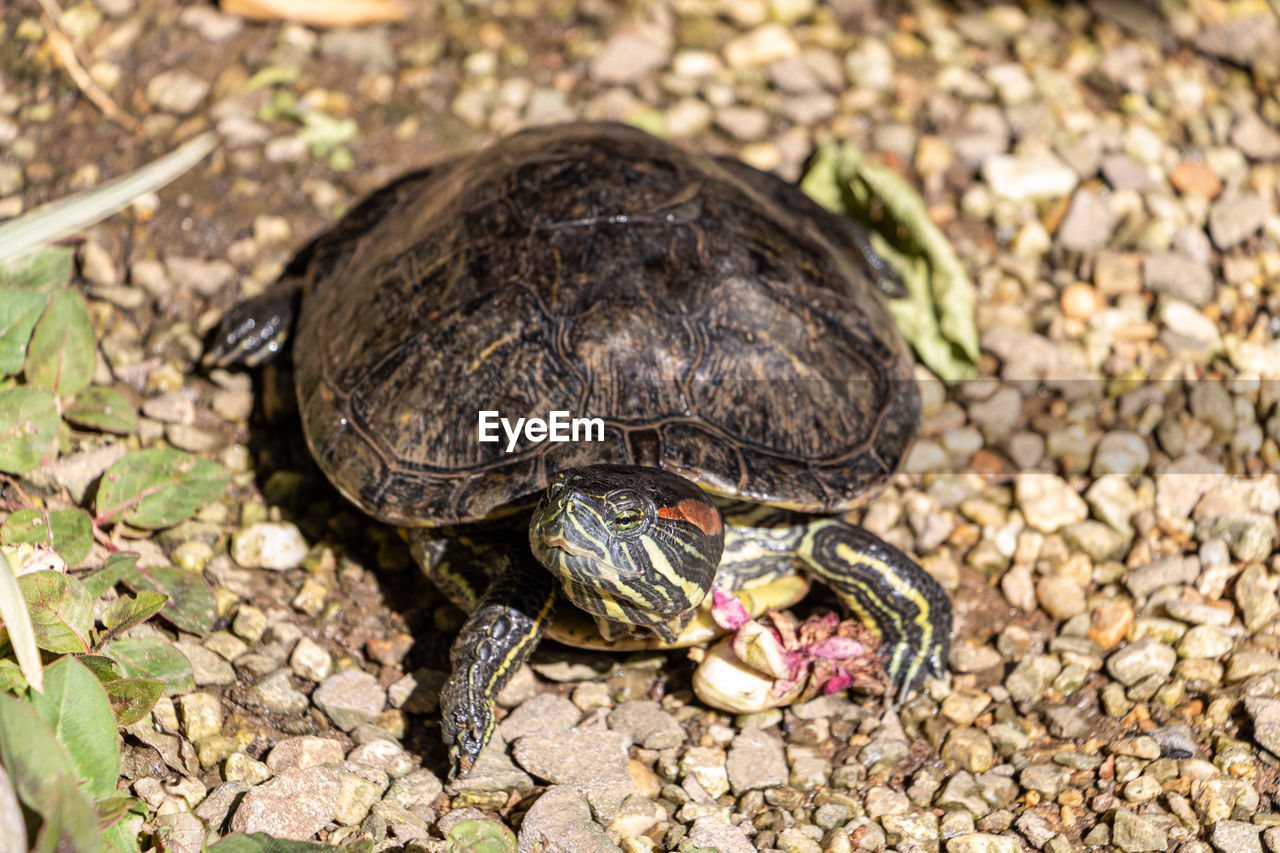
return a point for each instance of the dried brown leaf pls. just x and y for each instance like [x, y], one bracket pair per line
[320, 13]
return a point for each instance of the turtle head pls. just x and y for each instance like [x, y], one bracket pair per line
[632, 546]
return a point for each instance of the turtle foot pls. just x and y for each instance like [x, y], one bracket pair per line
[255, 331]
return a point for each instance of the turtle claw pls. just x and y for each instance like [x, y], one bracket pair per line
[460, 764]
[465, 734]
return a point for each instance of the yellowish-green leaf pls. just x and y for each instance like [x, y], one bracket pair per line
[323, 132]
[133, 698]
[44, 780]
[191, 605]
[75, 706]
[19, 311]
[104, 668]
[480, 836]
[272, 75]
[938, 316]
[61, 611]
[128, 610]
[103, 409]
[47, 269]
[28, 427]
[67, 531]
[152, 657]
[11, 678]
[122, 836]
[158, 487]
[112, 809]
[115, 568]
[60, 355]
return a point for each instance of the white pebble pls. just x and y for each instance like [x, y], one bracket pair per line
[274, 545]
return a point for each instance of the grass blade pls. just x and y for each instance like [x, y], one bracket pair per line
[22, 636]
[68, 216]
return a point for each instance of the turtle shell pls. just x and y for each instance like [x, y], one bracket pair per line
[718, 322]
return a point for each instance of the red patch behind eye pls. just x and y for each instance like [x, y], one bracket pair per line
[706, 518]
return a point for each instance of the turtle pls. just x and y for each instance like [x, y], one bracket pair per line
[723, 340]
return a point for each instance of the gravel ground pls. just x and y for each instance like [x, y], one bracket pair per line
[1101, 503]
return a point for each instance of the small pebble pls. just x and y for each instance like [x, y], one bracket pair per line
[276, 545]
[1081, 301]
[350, 698]
[176, 91]
[310, 661]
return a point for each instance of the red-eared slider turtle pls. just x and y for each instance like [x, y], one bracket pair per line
[722, 327]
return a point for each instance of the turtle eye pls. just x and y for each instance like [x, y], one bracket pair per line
[553, 488]
[628, 520]
[630, 512]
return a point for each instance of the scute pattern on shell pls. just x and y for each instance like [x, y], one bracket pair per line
[711, 314]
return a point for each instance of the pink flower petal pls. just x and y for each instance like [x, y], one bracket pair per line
[727, 611]
[838, 648]
[797, 661]
[783, 686]
[785, 629]
[842, 681]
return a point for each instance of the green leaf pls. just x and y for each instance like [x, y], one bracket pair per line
[46, 270]
[103, 409]
[28, 426]
[122, 836]
[61, 611]
[272, 75]
[127, 611]
[115, 568]
[191, 604]
[69, 823]
[938, 315]
[323, 132]
[822, 181]
[133, 698]
[75, 706]
[67, 531]
[22, 635]
[258, 842]
[44, 780]
[158, 487]
[19, 310]
[152, 657]
[11, 678]
[104, 668]
[480, 836]
[60, 355]
[110, 810]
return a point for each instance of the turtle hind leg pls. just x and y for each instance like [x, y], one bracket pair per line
[889, 592]
[257, 330]
[497, 637]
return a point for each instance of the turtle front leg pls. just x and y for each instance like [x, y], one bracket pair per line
[887, 591]
[498, 636]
